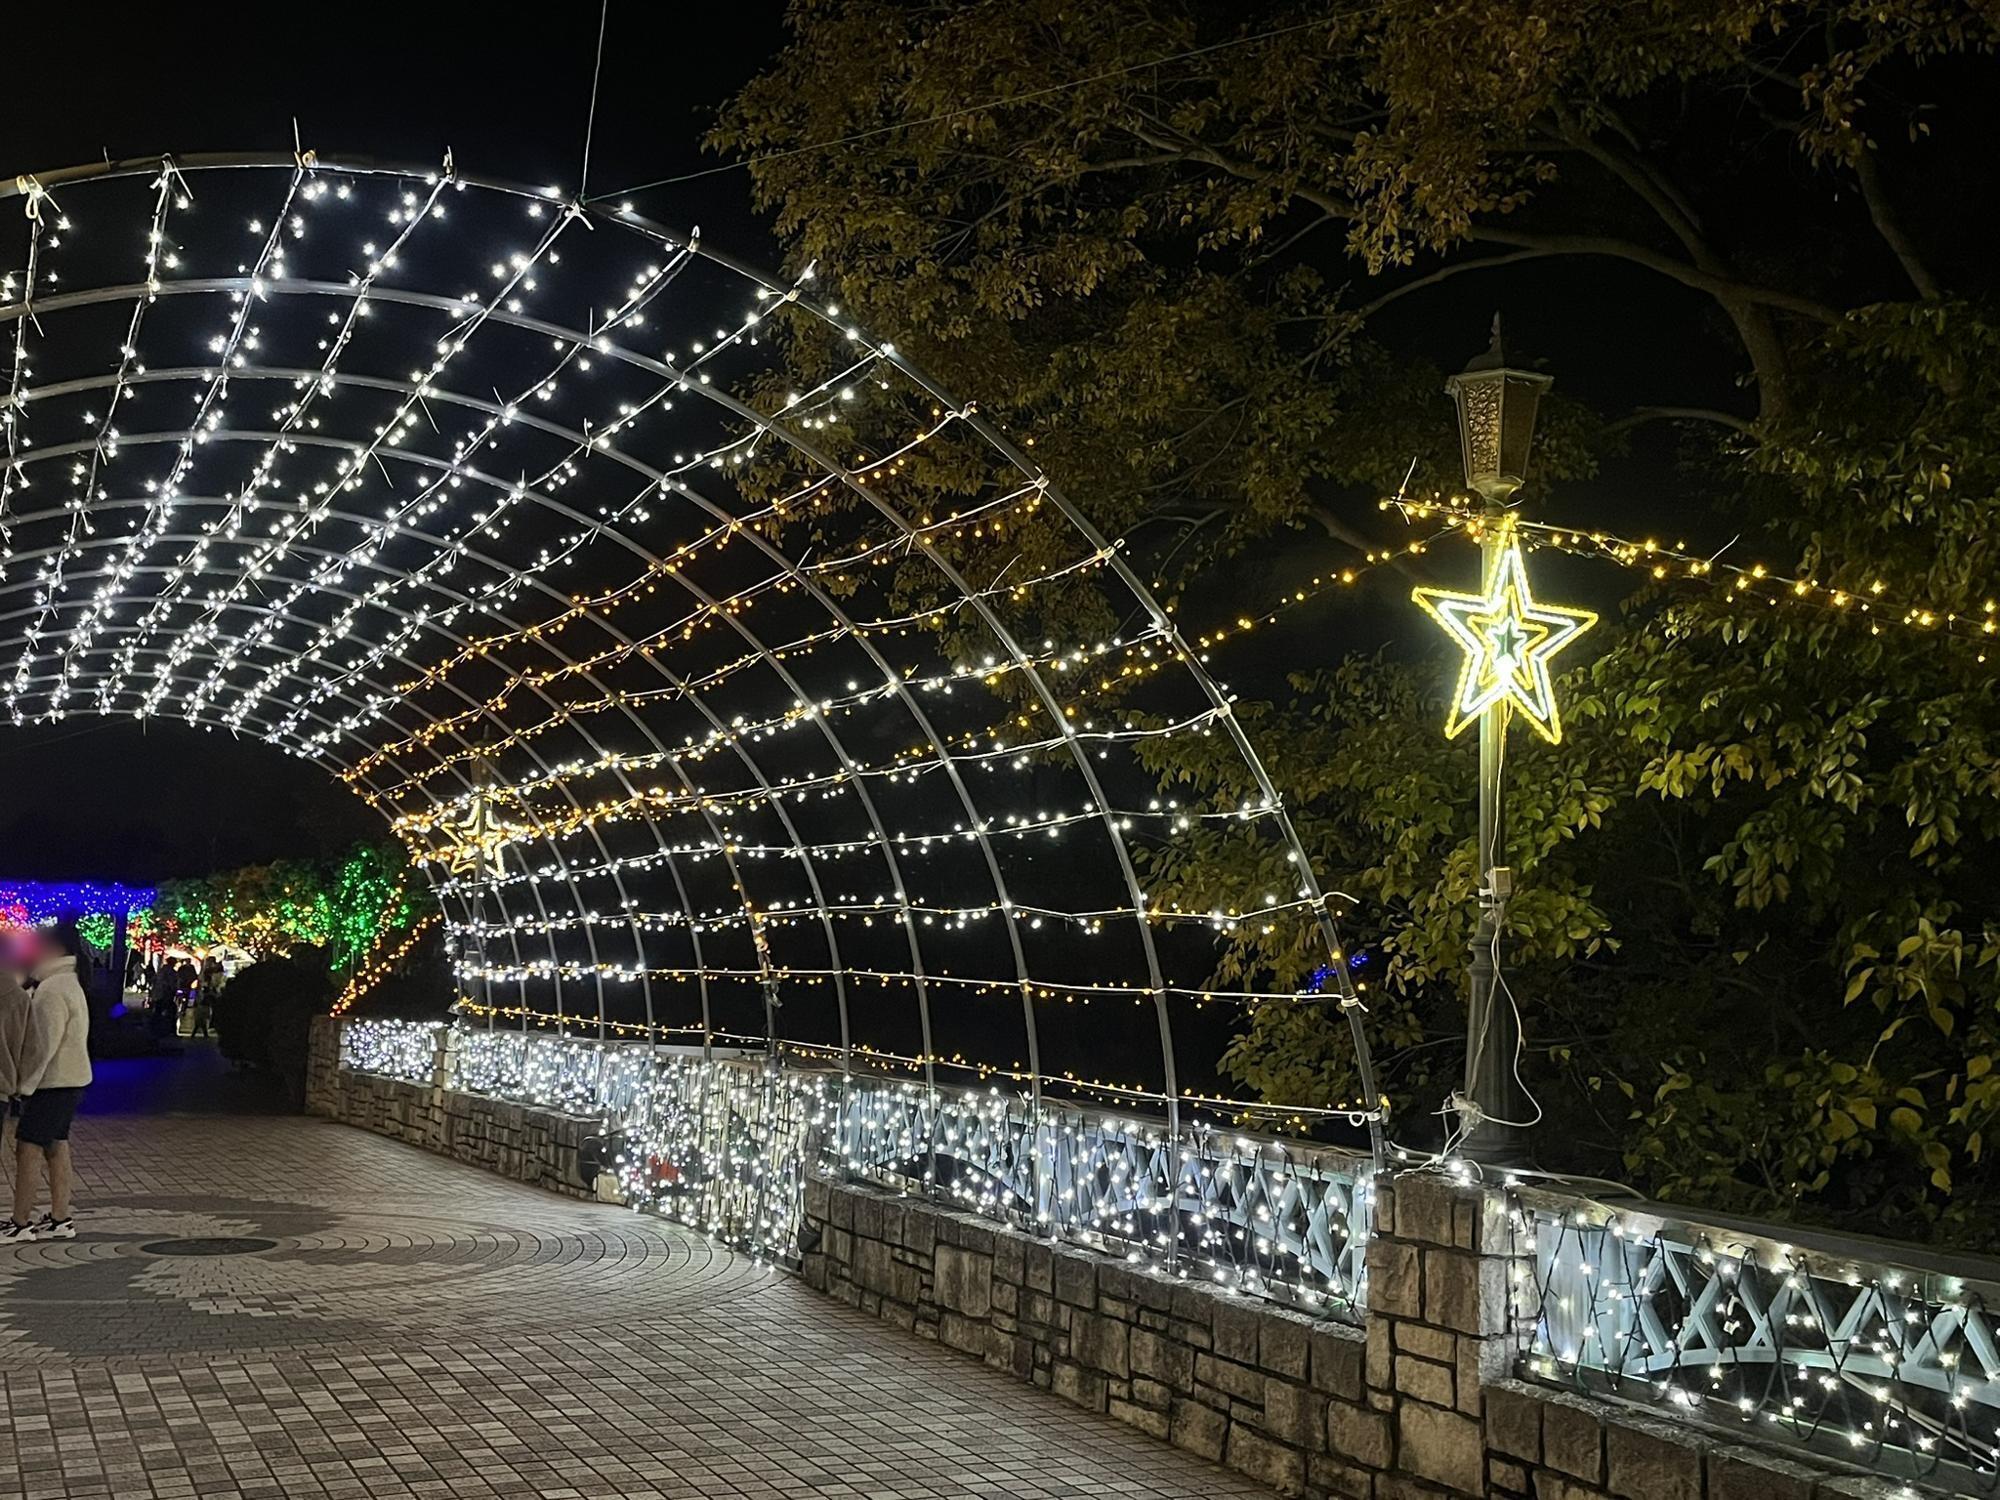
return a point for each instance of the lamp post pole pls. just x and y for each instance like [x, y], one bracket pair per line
[1493, 1027]
[1496, 413]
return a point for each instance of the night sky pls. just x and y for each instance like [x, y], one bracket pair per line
[509, 94]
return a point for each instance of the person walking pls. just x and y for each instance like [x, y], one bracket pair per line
[206, 986]
[161, 1013]
[55, 1070]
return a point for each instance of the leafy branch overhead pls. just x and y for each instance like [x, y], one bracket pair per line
[1209, 261]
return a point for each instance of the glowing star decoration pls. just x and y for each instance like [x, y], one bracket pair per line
[475, 842]
[1509, 638]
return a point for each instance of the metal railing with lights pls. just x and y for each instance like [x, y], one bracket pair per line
[1874, 1353]
[725, 1144]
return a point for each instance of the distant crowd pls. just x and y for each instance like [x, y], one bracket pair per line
[177, 987]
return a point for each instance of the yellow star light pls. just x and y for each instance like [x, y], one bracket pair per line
[1509, 639]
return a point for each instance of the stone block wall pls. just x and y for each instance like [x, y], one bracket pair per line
[1418, 1403]
[540, 1147]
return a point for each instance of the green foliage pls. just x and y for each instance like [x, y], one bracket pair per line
[1756, 937]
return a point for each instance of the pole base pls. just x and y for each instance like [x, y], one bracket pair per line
[1487, 1141]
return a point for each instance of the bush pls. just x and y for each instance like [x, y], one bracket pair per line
[263, 1017]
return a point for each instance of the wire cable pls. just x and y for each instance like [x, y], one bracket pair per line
[590, 120]
[970, 109]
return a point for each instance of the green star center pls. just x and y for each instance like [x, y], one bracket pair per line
[1508, 635]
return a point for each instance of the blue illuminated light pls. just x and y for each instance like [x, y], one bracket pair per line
[38, 901]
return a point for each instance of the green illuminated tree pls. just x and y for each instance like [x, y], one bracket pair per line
[268, 909]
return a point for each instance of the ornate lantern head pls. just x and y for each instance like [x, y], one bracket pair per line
[1496, 420]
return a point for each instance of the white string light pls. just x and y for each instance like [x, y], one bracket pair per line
[821, 626]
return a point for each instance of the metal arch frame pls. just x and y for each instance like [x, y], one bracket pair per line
[751, 637]
[163, 607]
[651, 230]
[209, 724]
[831, 466]
[210, 721]
[215, 723]
[835, 470]
[1350, 999]
[539, 497]
[755, 770]
[482, 711]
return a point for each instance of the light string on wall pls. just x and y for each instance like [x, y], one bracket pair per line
[1891, 1365]
[1125, 1095]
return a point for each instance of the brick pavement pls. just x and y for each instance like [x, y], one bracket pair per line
[421, 1329]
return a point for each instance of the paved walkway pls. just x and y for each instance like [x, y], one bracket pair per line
[417, 1328]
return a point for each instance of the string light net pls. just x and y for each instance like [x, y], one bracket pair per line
[729, 681]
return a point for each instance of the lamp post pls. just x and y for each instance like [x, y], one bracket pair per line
[1496, 426]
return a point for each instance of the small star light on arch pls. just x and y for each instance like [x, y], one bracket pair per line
[1509, 638]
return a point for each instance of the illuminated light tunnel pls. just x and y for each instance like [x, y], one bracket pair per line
[733, 684]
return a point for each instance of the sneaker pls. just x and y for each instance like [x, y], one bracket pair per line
[12, 1232]
[48, 1227]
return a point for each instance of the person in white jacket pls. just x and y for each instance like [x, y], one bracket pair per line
[54, 1071]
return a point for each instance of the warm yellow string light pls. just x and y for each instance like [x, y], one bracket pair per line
[379, 968]
[1876, 601]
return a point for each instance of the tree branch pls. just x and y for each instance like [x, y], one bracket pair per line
[1647, 414]
[1335, 526]
[1744, 302]
[1644, 186]
[1875, 195]
[1722, 288]
[1164, 137]
[1368, 310]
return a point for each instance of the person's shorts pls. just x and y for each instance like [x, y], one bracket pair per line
[46, 1116]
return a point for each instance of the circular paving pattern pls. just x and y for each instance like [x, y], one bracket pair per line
[419, 1328]
[360, 1255]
